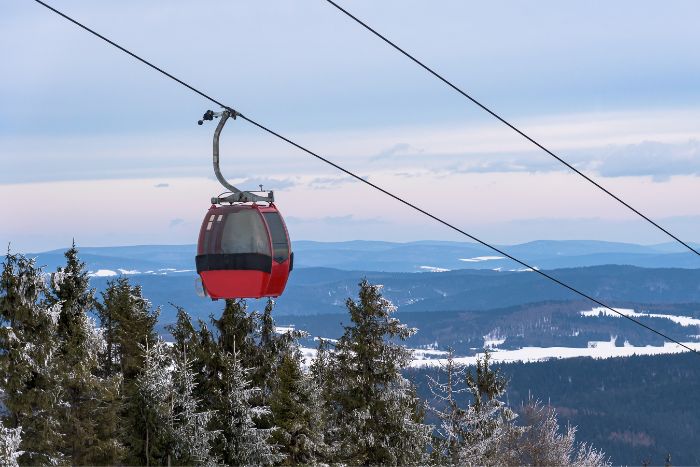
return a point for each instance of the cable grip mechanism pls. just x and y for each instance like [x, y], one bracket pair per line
[236, 196]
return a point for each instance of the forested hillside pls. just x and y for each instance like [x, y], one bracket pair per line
[637, 409]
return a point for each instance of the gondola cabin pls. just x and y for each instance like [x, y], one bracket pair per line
[244, 252]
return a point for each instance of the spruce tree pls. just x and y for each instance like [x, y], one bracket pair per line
[85, 412]
[322, 380]
[244, 443]
[374, 406]
[192, 437]
[541, 442]
[490, 420]
[236, 330]
[128, 323]
[128, 329]
[28, 349]
[453, 419]
[297, 427]
[151, 432]
[479, 432]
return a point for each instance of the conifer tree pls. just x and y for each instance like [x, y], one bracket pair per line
[84, 416]
[374, 406]
[295, 416]
[453, 419]
[192, 437]
[128, 323]
[28, 349]
[151, 430]
[273, 347]
[476, 433]
[322, 380]
[542, 443]
[244, 443]
[236, 329]
[128, 329]
[489, 420]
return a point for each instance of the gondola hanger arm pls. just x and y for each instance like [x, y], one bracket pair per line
[236, 196]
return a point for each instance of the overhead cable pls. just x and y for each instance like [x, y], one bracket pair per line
[367, 182]
[511, 126]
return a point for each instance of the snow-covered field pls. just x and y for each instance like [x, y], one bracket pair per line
[682, 320]
[479, 259]
[602, 349]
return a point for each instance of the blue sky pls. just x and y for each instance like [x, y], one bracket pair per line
[94, 145]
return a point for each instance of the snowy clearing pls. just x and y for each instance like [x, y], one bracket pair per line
[682, 320]
[603, 349]
[595, 349]
[478, 259]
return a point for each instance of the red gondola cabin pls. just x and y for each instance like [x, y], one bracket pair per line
[244, 252]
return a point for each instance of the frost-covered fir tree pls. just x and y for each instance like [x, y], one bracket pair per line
[10, 439]
[151, 430]
[200, 348]
[376, 412]
[192, 438]
[85, 415]
[28, 356]
[542, 443]
[295, 413]
[128, 322]
[244, 444]
[453, 419]
[236, 329]
[489, 419]
[475, 432]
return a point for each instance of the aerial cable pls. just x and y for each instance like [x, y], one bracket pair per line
[376, 187]
[511, 126]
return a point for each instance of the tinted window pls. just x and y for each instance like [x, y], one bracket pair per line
[244, 232]
[280, 245]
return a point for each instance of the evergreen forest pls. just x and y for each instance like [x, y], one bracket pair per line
[87, 380]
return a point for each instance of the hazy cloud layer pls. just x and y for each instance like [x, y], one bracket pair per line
[652, 158]
[647, 159]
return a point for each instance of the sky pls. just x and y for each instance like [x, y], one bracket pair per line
[97, 147]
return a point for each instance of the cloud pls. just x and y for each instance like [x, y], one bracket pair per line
[329, 183]
[399, 149]
[161, 185]
[251, 183]
[176, 222]
[336, 220]
[651, 158]
[655, 159]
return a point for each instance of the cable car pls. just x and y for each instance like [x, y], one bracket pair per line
[243, 249]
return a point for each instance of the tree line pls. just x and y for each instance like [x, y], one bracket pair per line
[86, 380]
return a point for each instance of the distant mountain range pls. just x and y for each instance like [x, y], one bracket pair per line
[424, 256]
[473, 278]
[475, 295]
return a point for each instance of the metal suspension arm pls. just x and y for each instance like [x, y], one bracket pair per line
[236, 196]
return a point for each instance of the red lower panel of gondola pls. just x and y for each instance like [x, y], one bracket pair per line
[278, 278]
[235, 284]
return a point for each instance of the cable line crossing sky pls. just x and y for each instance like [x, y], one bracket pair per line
[367, 182]
[511, 126]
